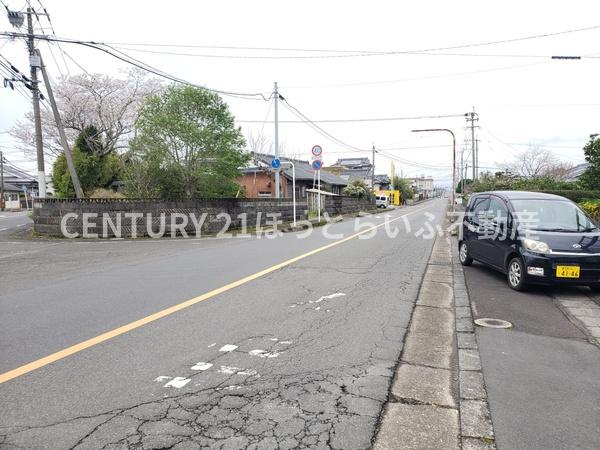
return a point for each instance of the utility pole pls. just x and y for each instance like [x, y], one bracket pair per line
[373, 173]
[472, 117]
[1, 181]
[34, 63]
[276, 99]
[61, 130]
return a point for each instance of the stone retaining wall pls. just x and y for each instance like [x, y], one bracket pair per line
[136, 218]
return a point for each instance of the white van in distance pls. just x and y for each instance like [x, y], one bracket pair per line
[382, 201]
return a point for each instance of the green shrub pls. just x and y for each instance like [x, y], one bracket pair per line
[576, 195]
[592, 207]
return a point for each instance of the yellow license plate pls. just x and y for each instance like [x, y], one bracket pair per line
[567, 271]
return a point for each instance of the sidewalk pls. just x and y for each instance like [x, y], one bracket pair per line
[535, 385]
[438, 398]
[543, 374]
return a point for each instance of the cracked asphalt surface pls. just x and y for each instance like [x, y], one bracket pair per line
[300, 358]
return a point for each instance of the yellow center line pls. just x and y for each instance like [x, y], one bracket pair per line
[19, 371]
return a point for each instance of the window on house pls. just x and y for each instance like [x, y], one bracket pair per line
[264, 194]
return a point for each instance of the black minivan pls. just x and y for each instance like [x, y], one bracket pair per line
[531, 237]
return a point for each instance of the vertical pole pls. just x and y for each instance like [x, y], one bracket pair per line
[294, 191]
[39, 145]
[477, 158]
[319, 194]
[61, 130]
[1, 181]
[275, 107]
[453, 171]
[462, 171]
[473, 145]
[373, 173]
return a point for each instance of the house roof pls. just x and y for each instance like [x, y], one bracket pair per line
[349, 162]
[383, 179]
[304, 171]
[16, 175]
[577, 171]
[9, 187]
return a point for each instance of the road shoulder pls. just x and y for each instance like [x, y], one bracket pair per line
[438, 398]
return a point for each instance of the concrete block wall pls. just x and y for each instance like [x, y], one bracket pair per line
[48, 214]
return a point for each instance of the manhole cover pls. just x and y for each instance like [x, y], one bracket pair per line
[493, 323]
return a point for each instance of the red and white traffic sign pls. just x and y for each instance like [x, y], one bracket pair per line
[317, 150]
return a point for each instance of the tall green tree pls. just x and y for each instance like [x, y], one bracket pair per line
[95, 167]
[187, 146]
[591, 177]
[404, 186]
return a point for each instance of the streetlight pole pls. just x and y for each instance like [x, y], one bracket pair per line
[427, 130]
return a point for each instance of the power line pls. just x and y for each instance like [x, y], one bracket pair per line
[358, 53]
[381, 119]
[413, 53]
[420, 78]
[352, 148]
[141, 65]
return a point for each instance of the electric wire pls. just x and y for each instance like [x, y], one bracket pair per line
[363, 53]
[142, 65]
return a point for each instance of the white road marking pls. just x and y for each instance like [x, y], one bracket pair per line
[178, 382]
[285, 342]
[330, 296]
[3, 229]
[212, 345]
[162, 378]
[228, 348]
[274, 339]
[202, 366]
[263, 353]
[249, 372]
[229, 370]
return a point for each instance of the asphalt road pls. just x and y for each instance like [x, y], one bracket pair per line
[11, 222]
[542, 375]
[300, 355]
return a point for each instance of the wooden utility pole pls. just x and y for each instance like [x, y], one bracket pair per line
[61, 130]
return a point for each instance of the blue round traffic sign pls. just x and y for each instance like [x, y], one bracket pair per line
[276, 163]
[317, 164]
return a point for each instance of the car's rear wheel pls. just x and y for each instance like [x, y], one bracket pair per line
[516, 274]
[463, 254]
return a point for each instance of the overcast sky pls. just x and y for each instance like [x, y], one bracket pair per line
[523, 98]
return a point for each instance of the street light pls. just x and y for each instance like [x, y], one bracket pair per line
[426, 130]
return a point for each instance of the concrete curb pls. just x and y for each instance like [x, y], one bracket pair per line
[423, 406]
[438, 398]
[476, 429]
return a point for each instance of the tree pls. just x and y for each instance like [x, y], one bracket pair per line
[111, 104]
[591, 177]
[96, 168]
[537, 162]
[404, 186]
[186, 146]
[356, 188]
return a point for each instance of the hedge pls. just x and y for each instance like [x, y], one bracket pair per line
[576, 195]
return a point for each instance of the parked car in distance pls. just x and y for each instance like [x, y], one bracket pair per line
[382, 201]
[531, 237]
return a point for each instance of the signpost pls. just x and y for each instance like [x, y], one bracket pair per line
[276, 164]
[317, 164]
